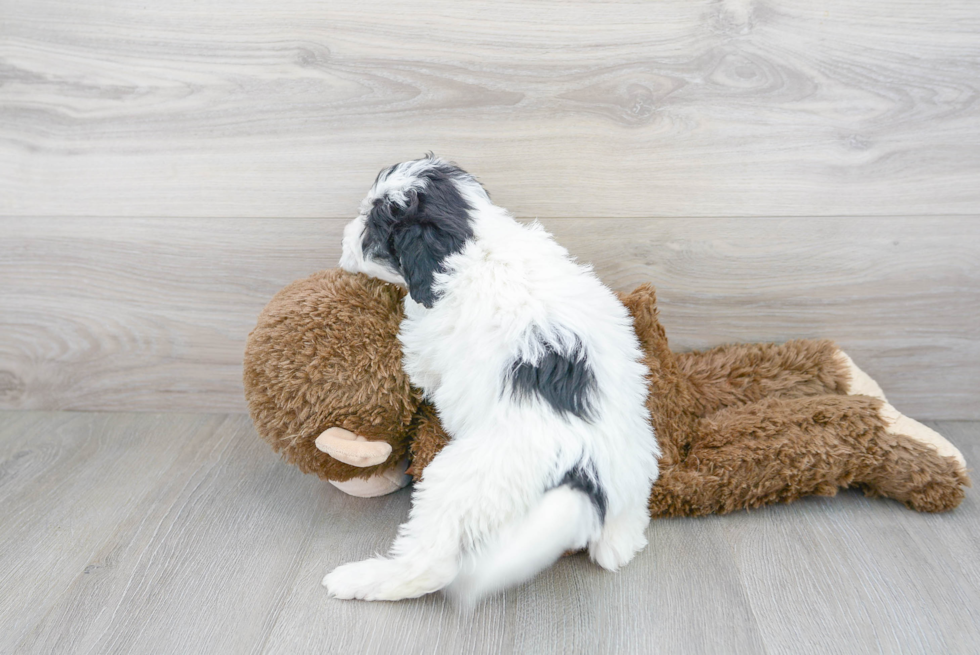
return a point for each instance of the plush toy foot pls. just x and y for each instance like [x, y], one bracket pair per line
[379, 484]
[899, 424]
[386, 579]
[859, 383]
[916, 465]
[896, 423]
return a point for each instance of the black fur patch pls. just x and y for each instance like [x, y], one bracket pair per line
[566, 382]
[414, 239]
[584, 479]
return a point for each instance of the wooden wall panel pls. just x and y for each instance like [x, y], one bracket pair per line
[166, 167]
[152, 314]
[232, 108]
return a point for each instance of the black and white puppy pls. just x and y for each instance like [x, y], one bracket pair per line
[534, 369]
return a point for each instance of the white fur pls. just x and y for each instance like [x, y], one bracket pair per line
[563, 520]
[510, 281]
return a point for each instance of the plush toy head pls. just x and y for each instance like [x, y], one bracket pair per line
[325, 355]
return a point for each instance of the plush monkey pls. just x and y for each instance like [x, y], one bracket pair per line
[740, 426]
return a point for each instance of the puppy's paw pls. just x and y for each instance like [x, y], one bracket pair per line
[363, 580]
[465, 592]
[622, 537]
[384, 579]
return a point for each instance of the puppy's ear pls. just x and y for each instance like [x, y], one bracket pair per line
[421, 248]
[416, 235]
[382, 223]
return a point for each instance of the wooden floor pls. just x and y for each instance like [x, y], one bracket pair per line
[184, 533]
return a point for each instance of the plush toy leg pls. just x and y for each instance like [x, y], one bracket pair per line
[778, 450]
[898, 424]
[732, 375]
[860, 383]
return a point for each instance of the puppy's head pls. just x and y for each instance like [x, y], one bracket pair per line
[416, 215]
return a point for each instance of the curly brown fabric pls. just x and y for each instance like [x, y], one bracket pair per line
[324, 354]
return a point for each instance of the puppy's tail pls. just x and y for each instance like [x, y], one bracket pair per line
[565, 519]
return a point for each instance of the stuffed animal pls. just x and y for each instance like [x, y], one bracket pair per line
[740, 426]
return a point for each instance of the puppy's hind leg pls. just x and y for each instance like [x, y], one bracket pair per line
[458, 504]
[381, 578]
[565, 519]
[423, 559]
[623, 536]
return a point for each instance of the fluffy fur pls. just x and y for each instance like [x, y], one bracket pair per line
[740, 426]
[325, 354]
[534, 369]
[747, 425]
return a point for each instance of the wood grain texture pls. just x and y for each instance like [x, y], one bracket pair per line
[152, 314]
[170, 533]
[237, 108]
[69, 482]
[834, 575]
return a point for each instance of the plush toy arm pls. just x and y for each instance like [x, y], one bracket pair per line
[430, 438]
[736, 374]
[353, 449]
[781, 449]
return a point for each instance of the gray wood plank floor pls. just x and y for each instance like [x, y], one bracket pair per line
[168, 533]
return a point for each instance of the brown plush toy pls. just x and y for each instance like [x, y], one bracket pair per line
[739, 426]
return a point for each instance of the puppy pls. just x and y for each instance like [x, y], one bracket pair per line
[534, 369]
